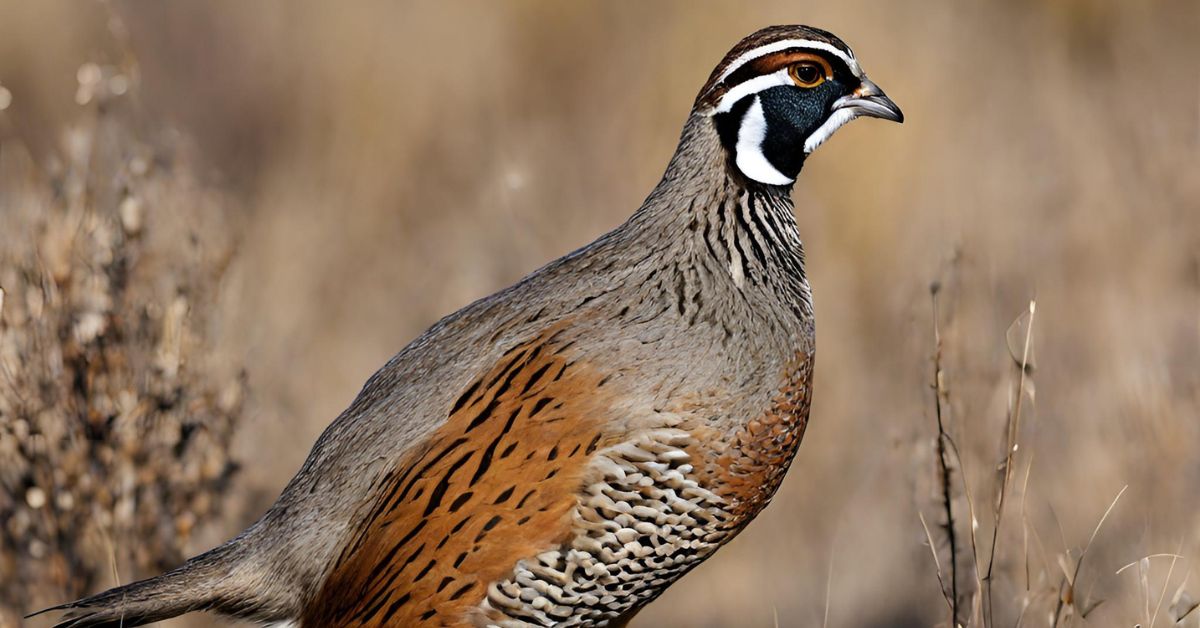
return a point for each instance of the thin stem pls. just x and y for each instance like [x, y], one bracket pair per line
[943, 460]
[1014, 424]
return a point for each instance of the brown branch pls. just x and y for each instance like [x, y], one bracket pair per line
[943, 455]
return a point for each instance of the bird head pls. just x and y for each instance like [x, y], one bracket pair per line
[780, 93]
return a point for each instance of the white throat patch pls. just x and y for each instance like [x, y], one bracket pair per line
[749, 155]
[835, 121]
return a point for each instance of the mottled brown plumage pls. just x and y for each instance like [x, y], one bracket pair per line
[562, 451]
[495, 484]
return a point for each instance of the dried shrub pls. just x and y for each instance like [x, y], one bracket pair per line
[115, 412]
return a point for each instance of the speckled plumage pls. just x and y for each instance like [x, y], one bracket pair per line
[562, 451]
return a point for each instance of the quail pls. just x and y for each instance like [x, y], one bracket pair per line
[562, 451]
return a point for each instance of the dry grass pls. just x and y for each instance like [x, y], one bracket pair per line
[394, 162]
[116, 409]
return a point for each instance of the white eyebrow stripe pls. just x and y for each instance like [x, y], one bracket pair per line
[785, 44]
[753, 86]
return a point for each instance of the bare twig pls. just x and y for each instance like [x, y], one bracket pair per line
[1143, 565]
[1013, 430]
[1096, 531]
[1134, 563]
[977, 604]
[1025, 524]
[1072, 579]
[943, 458]
[1166, 584]
[936, 563]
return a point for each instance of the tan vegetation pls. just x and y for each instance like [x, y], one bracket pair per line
[116, 406]
[378, 165]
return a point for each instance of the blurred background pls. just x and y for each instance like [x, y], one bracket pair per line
[323, 181]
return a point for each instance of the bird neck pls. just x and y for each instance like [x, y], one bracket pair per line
[709, 213]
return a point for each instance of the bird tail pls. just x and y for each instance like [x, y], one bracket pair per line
[202, 583]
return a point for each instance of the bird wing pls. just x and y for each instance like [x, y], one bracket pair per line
[497, 482]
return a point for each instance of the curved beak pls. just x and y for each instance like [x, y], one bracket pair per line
[869, 100]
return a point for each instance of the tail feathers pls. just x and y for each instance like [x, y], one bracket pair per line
[196, 585]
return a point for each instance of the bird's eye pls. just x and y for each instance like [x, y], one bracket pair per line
[807, 74]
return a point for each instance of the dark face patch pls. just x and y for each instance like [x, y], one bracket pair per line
[730, 122]
[792, 114]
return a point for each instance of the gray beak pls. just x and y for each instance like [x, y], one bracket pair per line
[869, 100]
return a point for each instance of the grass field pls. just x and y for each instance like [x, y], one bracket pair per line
[345, 176]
